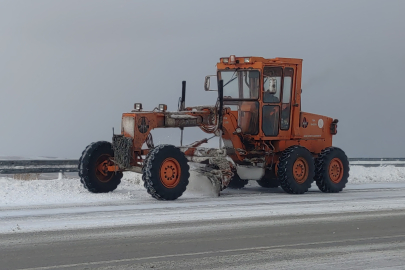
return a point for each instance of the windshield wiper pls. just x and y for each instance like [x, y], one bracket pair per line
[232, 79]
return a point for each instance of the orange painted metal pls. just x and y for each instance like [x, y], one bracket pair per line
[113, 168]
[315, 135]
[300, 170]
[101, 168]
[276, 168]
[336, 170]
[191, 150]
[170, 172]
[311, 131]
[144, 152]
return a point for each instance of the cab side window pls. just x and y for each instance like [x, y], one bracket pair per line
[286, 105]
[272, 84]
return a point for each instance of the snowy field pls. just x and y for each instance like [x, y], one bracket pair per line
[49, 205]
[70, 191]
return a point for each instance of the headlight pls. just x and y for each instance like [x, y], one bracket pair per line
[232, 60]
[162, 107]
[138, 106]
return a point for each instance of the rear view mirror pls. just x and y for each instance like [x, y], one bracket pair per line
[207, 82]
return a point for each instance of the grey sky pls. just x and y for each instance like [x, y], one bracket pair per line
[68, 69]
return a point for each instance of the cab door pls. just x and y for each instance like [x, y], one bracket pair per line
[276, 98]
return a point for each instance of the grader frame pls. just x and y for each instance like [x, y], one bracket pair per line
[258, 116]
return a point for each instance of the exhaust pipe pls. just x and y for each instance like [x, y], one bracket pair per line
[182, 107]
[183, 96]
[221, 103]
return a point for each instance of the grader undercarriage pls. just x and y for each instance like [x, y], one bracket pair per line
[258, 118]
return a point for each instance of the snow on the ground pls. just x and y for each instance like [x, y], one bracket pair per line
[359, 174]
[70, 191]
[65, 191]
[29, 158]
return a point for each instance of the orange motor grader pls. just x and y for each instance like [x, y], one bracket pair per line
[264, 136]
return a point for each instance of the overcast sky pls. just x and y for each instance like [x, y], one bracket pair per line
[69, 69]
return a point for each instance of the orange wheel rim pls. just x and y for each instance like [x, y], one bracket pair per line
[170, 172]
[300, 170]
[336, 170]
[102, 173]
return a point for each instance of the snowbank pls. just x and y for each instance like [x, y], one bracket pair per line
[359, 174]
[70, 191]
[35, 192]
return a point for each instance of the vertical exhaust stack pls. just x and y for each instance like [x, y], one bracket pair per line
[221, 103]
[182, 106]
[220, 109]
[183, 96]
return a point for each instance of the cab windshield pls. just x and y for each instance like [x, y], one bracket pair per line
[240, 84]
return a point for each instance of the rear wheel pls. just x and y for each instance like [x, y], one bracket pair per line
[332, 170]
[165, 172]
[269, 180]
[296, 170]
[93, 171]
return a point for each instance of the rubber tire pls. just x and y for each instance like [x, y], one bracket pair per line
[285, 169]
[236, 182]
[87, 167]
[322, 178]
[269, 180]
[151, 172]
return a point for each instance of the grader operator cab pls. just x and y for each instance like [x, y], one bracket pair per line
[266, 137]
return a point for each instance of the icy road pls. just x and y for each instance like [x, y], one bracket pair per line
[55, 224]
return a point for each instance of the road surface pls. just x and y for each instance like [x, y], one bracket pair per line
[361, 228]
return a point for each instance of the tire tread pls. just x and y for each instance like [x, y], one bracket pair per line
[150, 169]
[85, 162]
[321, 173]
[283, 171]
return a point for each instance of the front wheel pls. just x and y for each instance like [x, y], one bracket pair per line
[93, 171]
[236, 182]
[332, 170]
[165, 172]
